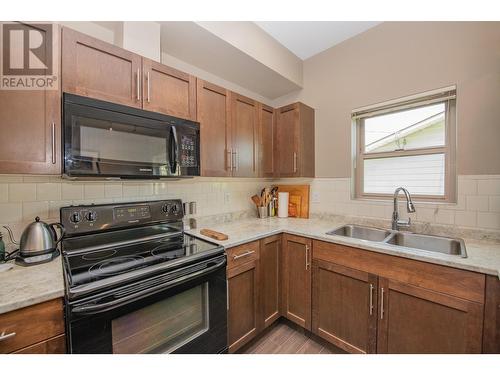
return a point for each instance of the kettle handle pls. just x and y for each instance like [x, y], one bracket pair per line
[63, 231]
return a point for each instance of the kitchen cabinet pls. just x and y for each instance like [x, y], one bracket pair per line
[243, 294]
[344, 306]
[100, 70]
[268, 141]
[214, 116]
[295, 140]
[296, 299]
[31, 128]
[244, 136]
[420, 307]
[270, 279]
[417, 320]
[491, 335]
[168, 90]
[34, 329]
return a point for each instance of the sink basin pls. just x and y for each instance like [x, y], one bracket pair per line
[445, 245]
[361, 232]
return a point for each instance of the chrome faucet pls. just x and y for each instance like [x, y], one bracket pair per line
[396, 222]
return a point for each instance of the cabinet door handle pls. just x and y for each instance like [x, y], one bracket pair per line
[53, 140]
[236, 159]
[227, 294]
[294, 162]
[4, 336]
[148, 86]
[245, 254]
[371, 299]
[381, 303]
[138, 83]
[229, 153]
[307, 257]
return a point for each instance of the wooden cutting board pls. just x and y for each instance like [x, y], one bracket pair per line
[298, 195]
[214, 234]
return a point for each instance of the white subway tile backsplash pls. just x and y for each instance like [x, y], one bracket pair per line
[477, 203]
[466, 218]
[22, 192]
[4, 192]
[488, 187]
[34, 209]
[48, 191]
[445, 216]
[11, 212]
[93, 191]
[54, 207]
[489, 220]
[495, 203]
[72, 191]
[467, 187]
[113, 190]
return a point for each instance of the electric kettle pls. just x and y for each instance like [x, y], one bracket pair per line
[38, 242]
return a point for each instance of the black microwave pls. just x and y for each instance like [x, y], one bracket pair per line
[103, 139]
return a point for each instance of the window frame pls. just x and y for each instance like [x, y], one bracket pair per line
[446, 96]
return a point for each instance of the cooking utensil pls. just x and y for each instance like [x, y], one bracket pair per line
[256, 199]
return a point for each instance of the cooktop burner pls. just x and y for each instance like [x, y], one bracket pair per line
[115, 266]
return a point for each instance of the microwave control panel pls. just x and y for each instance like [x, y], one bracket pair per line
[188, 150]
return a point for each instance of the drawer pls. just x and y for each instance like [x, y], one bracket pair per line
[242, 254]
[31, 325]
[55, 345]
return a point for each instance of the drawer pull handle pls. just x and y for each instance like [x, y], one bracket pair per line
[4, 336]
[243, 255]
[381, 303]
[371, 299]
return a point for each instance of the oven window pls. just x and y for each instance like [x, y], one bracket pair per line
[163, 326]
[109, 140]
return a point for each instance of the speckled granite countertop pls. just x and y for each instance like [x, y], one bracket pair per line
[25, 286]
[482, 256]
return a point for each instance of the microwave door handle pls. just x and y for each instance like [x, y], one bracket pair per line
[175, 145]
[92, 309]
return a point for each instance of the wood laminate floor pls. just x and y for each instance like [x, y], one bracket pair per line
[285, 338]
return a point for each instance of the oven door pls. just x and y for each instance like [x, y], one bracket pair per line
[184, 311]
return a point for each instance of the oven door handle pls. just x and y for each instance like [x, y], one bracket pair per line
[91, 309]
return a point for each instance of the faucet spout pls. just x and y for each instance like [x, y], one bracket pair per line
[410, 207]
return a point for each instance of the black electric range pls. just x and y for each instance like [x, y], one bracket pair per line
[136, 283]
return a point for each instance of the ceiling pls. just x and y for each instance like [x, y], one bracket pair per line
[307, 38]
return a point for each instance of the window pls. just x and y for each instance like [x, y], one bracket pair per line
[408, 142]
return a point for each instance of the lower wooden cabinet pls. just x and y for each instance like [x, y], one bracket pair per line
[296, 298]
[34, 329]
[344, 307]
[417, 320]
[270, 274]
[243, 294]
[491, 333]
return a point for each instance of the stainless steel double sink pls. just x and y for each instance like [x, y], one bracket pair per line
[438, 244]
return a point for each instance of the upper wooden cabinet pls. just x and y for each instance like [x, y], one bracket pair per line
[214, 116]
[168, 90]
[244, 136]
[96, 69]
[295, 140]
[100, 70]
[268, 143]
[296, 298]
[30, 126]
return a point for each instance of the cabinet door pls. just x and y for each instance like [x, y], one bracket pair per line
[267, 129]
[344, 307]
[270, 260]
[491, 335]
[243, 304]
[287, 137]
[296, 298]
[96, 69]
[168, 90]
[244, 136]
[213, 112]
[30, 128]
[417, 320]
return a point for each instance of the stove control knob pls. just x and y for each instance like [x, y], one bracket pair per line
[91, 216]
[75, 217]
[166, 208]
[174, 209]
